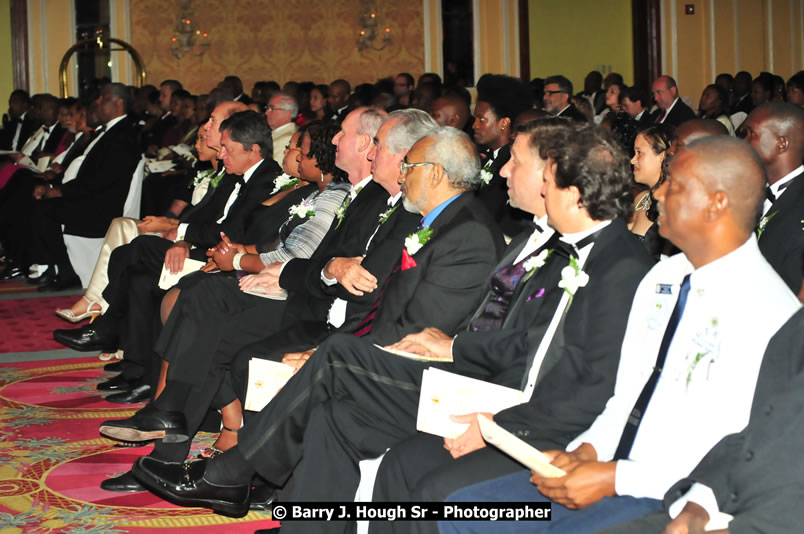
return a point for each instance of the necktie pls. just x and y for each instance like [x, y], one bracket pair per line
[632, 425]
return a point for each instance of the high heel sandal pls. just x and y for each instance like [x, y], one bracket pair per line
[212, 451]
[68, 315]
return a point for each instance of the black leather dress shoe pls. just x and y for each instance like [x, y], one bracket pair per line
[123, 483]
[114, 367]
[11, 272]
[60, 284]
[138, 394]
[184, 484]
[148, 423]
[118, 383]
[85, 339]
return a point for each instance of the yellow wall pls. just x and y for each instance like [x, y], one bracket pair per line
[573, 37]
[729, 36]
[268, 40]
[6, 59]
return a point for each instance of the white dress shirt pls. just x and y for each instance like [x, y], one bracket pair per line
[779, 188]
[735, 304]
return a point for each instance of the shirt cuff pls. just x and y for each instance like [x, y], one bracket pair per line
[327, 281]
[181, 231]
[701, 495]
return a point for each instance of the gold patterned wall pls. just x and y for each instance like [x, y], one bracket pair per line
[271, 40]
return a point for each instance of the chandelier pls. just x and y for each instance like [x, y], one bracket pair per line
[187, 39]
[369, 25]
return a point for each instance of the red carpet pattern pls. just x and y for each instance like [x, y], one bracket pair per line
[52, 460]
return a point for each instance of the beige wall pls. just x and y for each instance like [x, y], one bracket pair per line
[729, 36]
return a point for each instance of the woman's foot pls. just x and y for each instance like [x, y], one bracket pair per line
[82, 309]
[226, 440]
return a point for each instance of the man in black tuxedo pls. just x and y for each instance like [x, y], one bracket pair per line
[322, 414]
[19, 123]
[137, 265]
[776, 131]
[500, 99]
[582, 354]
[748, 475]
[558, 99]
[86, 205]
[672, 110]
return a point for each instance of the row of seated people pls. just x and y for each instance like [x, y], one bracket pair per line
[350, 401]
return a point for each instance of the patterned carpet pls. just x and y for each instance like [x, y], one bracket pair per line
[52, 460]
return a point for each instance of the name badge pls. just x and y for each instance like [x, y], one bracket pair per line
[664, 289]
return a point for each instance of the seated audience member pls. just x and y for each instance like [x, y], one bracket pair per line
[650, 151]
[442, 288]
[748, 474]
[499, 100]
[123, 230]
[18, 123]
[708, 354]
[338, 99]
[568, 381]
[671, 109]
[795, 89]
[403, 88]
[281, 113]
[86, 205]
[776, 131]
[635, 103]
[714, 104]
[557, 94]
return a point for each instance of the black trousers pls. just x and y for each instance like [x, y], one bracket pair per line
[421, 469]
[349, 402]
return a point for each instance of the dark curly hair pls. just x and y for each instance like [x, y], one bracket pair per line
[590, 159]
[322, 149]
[659, 137]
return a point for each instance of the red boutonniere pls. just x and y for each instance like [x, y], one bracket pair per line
[407, 261]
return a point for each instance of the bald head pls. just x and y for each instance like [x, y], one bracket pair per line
[731, 166]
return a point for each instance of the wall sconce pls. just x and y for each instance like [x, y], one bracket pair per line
[187, 39]
[369, 28]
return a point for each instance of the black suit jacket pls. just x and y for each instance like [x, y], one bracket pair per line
[782, 241]
[574, 114]
[448, 281]
[250, 197]
[99, 190]
[680, 113]
[575, 383]
[755, 474]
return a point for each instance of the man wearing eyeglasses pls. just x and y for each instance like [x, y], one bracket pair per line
[558, 98]
[280, 113]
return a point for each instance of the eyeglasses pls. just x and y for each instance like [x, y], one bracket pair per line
[553, 92]
[404, 165]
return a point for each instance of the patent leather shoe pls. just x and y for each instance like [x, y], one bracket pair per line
[138, 394]
[124, 483]
[86, 339]
[148, 423]
[184, 484]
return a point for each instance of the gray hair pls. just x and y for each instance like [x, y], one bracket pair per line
[455, 152]
[369, 122]
[288, 103]
[413, 124]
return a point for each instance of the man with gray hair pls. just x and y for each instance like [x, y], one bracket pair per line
[280, 113]
[351, 400]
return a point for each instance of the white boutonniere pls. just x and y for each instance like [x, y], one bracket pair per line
[535, 263]
[572, 278]
[417, 240]
[384, 216]
[763, 222]
[284, 182]
[486, 174]
[302, 210]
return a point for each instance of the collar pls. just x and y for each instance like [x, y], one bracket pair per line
[250, 171]
[356, 188]
[282, 129]
[428, 220]
[394, 199]
[667, 111]
[115, 121]
[780, 185]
